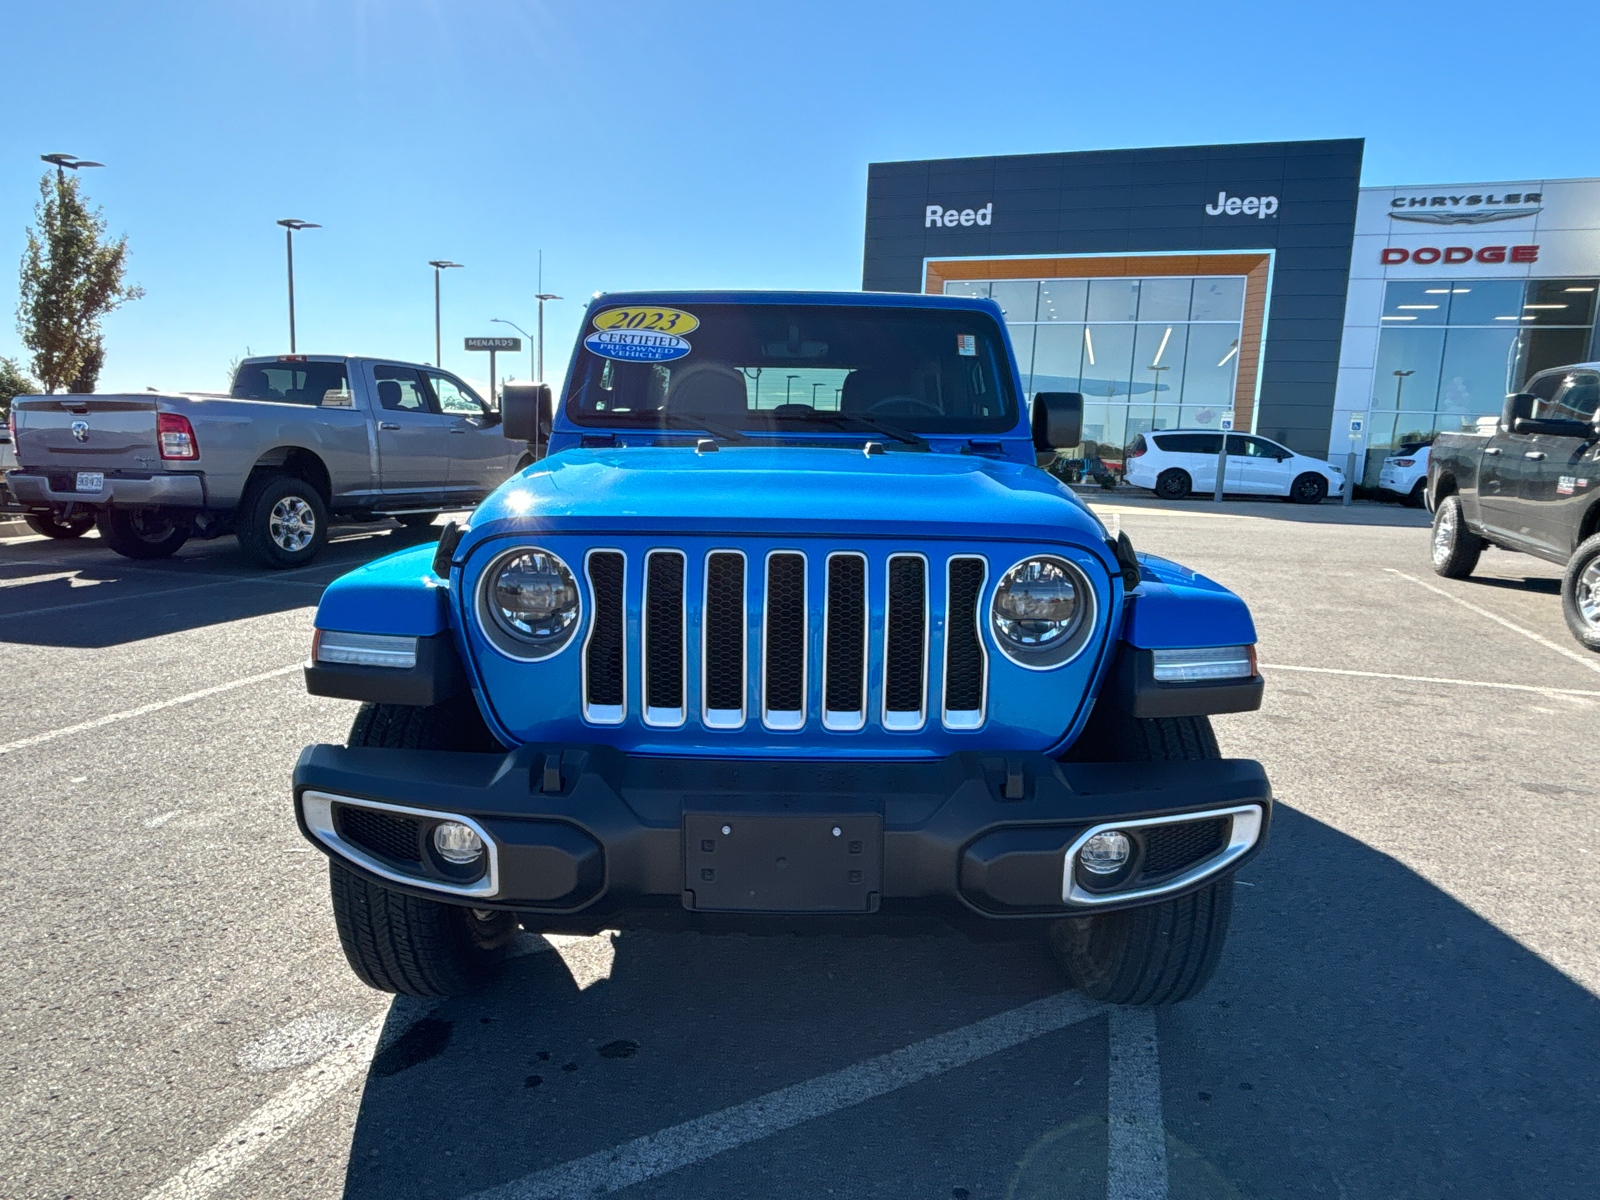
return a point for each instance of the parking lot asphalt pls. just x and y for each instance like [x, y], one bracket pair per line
[1406, 1008]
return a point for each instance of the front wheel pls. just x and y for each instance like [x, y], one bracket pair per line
[142, 532]
[1309, 488]
[1580, 594]
[1455, 548]
[1161, 953]
[1173, 484]
[53, 526]
[282, 521]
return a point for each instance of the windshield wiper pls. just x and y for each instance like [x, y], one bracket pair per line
[716, 429]
[883, 427]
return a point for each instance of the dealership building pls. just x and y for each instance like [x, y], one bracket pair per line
[1175, 286]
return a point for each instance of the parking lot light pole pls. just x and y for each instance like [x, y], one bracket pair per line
[438, 265]
[533, 364]
[290, 224]
[541, 298]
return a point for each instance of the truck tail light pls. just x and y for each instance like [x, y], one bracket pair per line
[177, 436]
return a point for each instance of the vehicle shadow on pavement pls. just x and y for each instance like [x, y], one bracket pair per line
[80, 594]
[1366, 1036]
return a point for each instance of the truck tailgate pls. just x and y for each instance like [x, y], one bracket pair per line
[87, 433]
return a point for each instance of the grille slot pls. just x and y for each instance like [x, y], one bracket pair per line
[1169, 848]
[905, 644]
[722, 653]
[663, 649]
[604, 663]
[387, 835]
[844, 649]
[966, 663]
[784, 642]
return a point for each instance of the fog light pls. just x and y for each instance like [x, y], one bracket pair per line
[1105, 853]
[457, 843]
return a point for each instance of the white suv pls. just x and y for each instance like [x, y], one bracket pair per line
[1174, 462]
[1405, 472]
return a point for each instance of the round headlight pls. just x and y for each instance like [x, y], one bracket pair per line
[532, 596]
[1039, 612]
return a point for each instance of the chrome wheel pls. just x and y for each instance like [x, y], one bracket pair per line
[292, 524]
[1587, 595]
[1444, 534]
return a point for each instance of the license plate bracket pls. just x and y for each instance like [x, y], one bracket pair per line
[782, 863]
[90, 481]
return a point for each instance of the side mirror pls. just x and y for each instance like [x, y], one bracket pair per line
[1518, 407]
[524, 410]
[1057, 420]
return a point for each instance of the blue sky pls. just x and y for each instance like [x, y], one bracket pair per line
[672, 145]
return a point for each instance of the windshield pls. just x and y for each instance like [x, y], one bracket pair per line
[293, 382]
[779, 367]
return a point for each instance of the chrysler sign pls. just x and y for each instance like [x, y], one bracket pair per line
[1478, 209]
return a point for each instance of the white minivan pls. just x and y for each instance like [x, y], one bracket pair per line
[1174, 462]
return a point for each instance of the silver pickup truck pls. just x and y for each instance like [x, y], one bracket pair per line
[297, 441]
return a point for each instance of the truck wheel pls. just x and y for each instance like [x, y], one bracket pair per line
[1173, 484]
[282, 521]
[1580, 594]
[1455, 547]
[1161, 953]
[396, 942]
[53, 526]
[1309, 488]
[141, 532]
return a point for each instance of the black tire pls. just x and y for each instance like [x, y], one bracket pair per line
[1173, 484]
[53, 526]
[1309, 488]
[282, 521]
[1161, 953]
[1416, 497]
[1454, 548]
[1580, 594]
[142, 532]
[400, 943]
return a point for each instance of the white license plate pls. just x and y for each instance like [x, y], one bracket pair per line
[90, 481]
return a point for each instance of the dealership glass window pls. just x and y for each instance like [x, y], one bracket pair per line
[1486, 338]
[1153, 353]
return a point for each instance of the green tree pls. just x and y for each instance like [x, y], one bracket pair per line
[14, 382]
[72, 276]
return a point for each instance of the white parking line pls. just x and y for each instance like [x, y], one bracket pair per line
[112, 718]
[694, 1141]
[274, 1119]
[1483, 683]
[1589, 662]
[1136, 1162]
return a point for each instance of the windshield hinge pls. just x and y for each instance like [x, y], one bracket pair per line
[598, 440]
[987, 449]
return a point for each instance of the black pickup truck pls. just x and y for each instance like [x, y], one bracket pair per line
[1530, 482]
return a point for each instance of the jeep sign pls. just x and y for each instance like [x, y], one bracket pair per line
[1260, 207]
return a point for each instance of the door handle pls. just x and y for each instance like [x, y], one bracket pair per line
[457, 429]
[1535, 454]
[387, 425]
[1491, 450]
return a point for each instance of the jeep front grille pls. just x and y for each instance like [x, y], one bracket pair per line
[665, 681]
[815, 641]
[604, 661]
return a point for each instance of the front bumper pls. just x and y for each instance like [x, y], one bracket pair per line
[128, 489]
[590, 837]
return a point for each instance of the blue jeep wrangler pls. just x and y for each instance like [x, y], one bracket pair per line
[789, 632]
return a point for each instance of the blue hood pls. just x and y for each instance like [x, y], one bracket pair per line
[799, 490]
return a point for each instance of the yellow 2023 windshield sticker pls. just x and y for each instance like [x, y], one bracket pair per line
[647, 319]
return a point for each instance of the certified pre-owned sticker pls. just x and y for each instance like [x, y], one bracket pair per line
[1565, 484]
[645, 317]
[637, 345]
